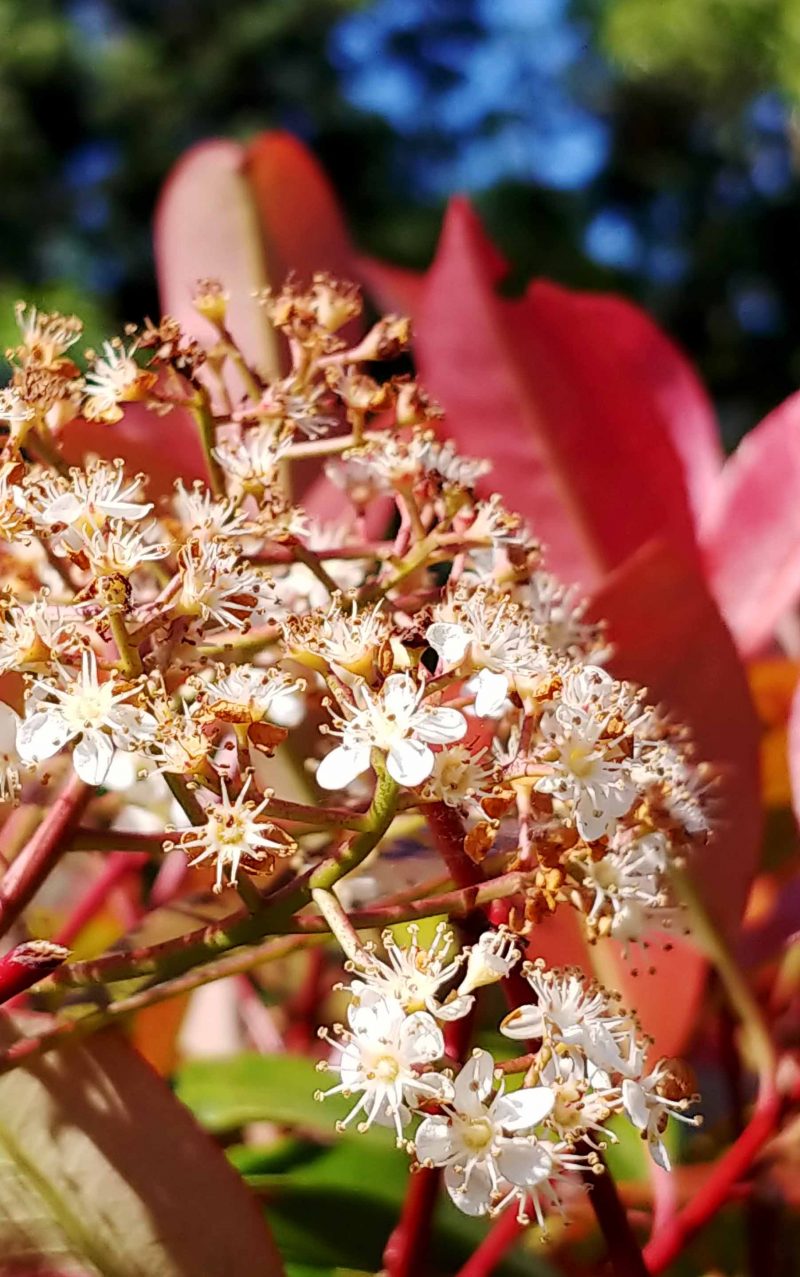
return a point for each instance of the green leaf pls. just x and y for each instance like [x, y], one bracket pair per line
[228, 1093]
[104, 1174]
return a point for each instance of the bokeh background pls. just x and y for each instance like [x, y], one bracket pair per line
[649, 148]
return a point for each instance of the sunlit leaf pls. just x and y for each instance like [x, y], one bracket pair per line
[566, 404]
[104, 1173]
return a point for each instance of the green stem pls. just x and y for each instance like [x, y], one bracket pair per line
[379, 817]
[129, 658]
[206, 426]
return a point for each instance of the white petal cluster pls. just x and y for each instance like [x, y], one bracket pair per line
[397, 721]
[97, 715]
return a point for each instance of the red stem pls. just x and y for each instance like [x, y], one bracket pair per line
[27, 964]
[668, 1243]
[118, 866]
[28, 870]
[492, 1250]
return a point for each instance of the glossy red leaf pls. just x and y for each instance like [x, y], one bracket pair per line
[560, 394]
[751, 529]
[669, 636]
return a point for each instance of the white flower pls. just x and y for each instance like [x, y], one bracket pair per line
[396, 721]
[490, 960]
[204, 517]
[234, 832]
[47, 336]
[340, 635]
[577, 1016]
[118, 550]
[84, 501]
[379, 1060]
[216, 587]
[28, 633]
[413, 975]
[180, 744]
[251, 465]
[557, 611]
[683, 788]
[85, 709]
[591, 774]
[629, 885]
[494, 636]
[115, 378]
[459, 778]
[486, 1144]
[256, 694]
[647, 1106]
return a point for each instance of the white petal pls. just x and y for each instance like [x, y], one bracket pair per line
[476, 1197]
[523, 1023]
[92, 756]
[65, 509]
[42, 735]
[474, 1083]
[454, 1009]
[341, 766]
[659, 1154]
[491, 691]
[287, 709]
[449, 642]
[130, 725]
[399, 695]
[421, 1038]
[440, 726]
[434, 1141]
[409, 762]
[635, 1102]
[524, 1162]
[432, 1087]
[524, 1109]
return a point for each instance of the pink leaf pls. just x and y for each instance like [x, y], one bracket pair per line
[751, 531]
[561, 400]
[670, 637]
[207, 227]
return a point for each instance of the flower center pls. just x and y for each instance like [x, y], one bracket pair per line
[477, 1134]
[386, 1069]
[87, 707]
[580, 760]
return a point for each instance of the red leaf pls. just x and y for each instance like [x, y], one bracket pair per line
[560, 388]
[751, 530]
[669, 636]
[206, 226]
[646, 980]
[163, 448]
[301, 224]
[394, 289]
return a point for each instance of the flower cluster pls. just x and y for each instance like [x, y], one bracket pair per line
[498, 1145]
[302, 702]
